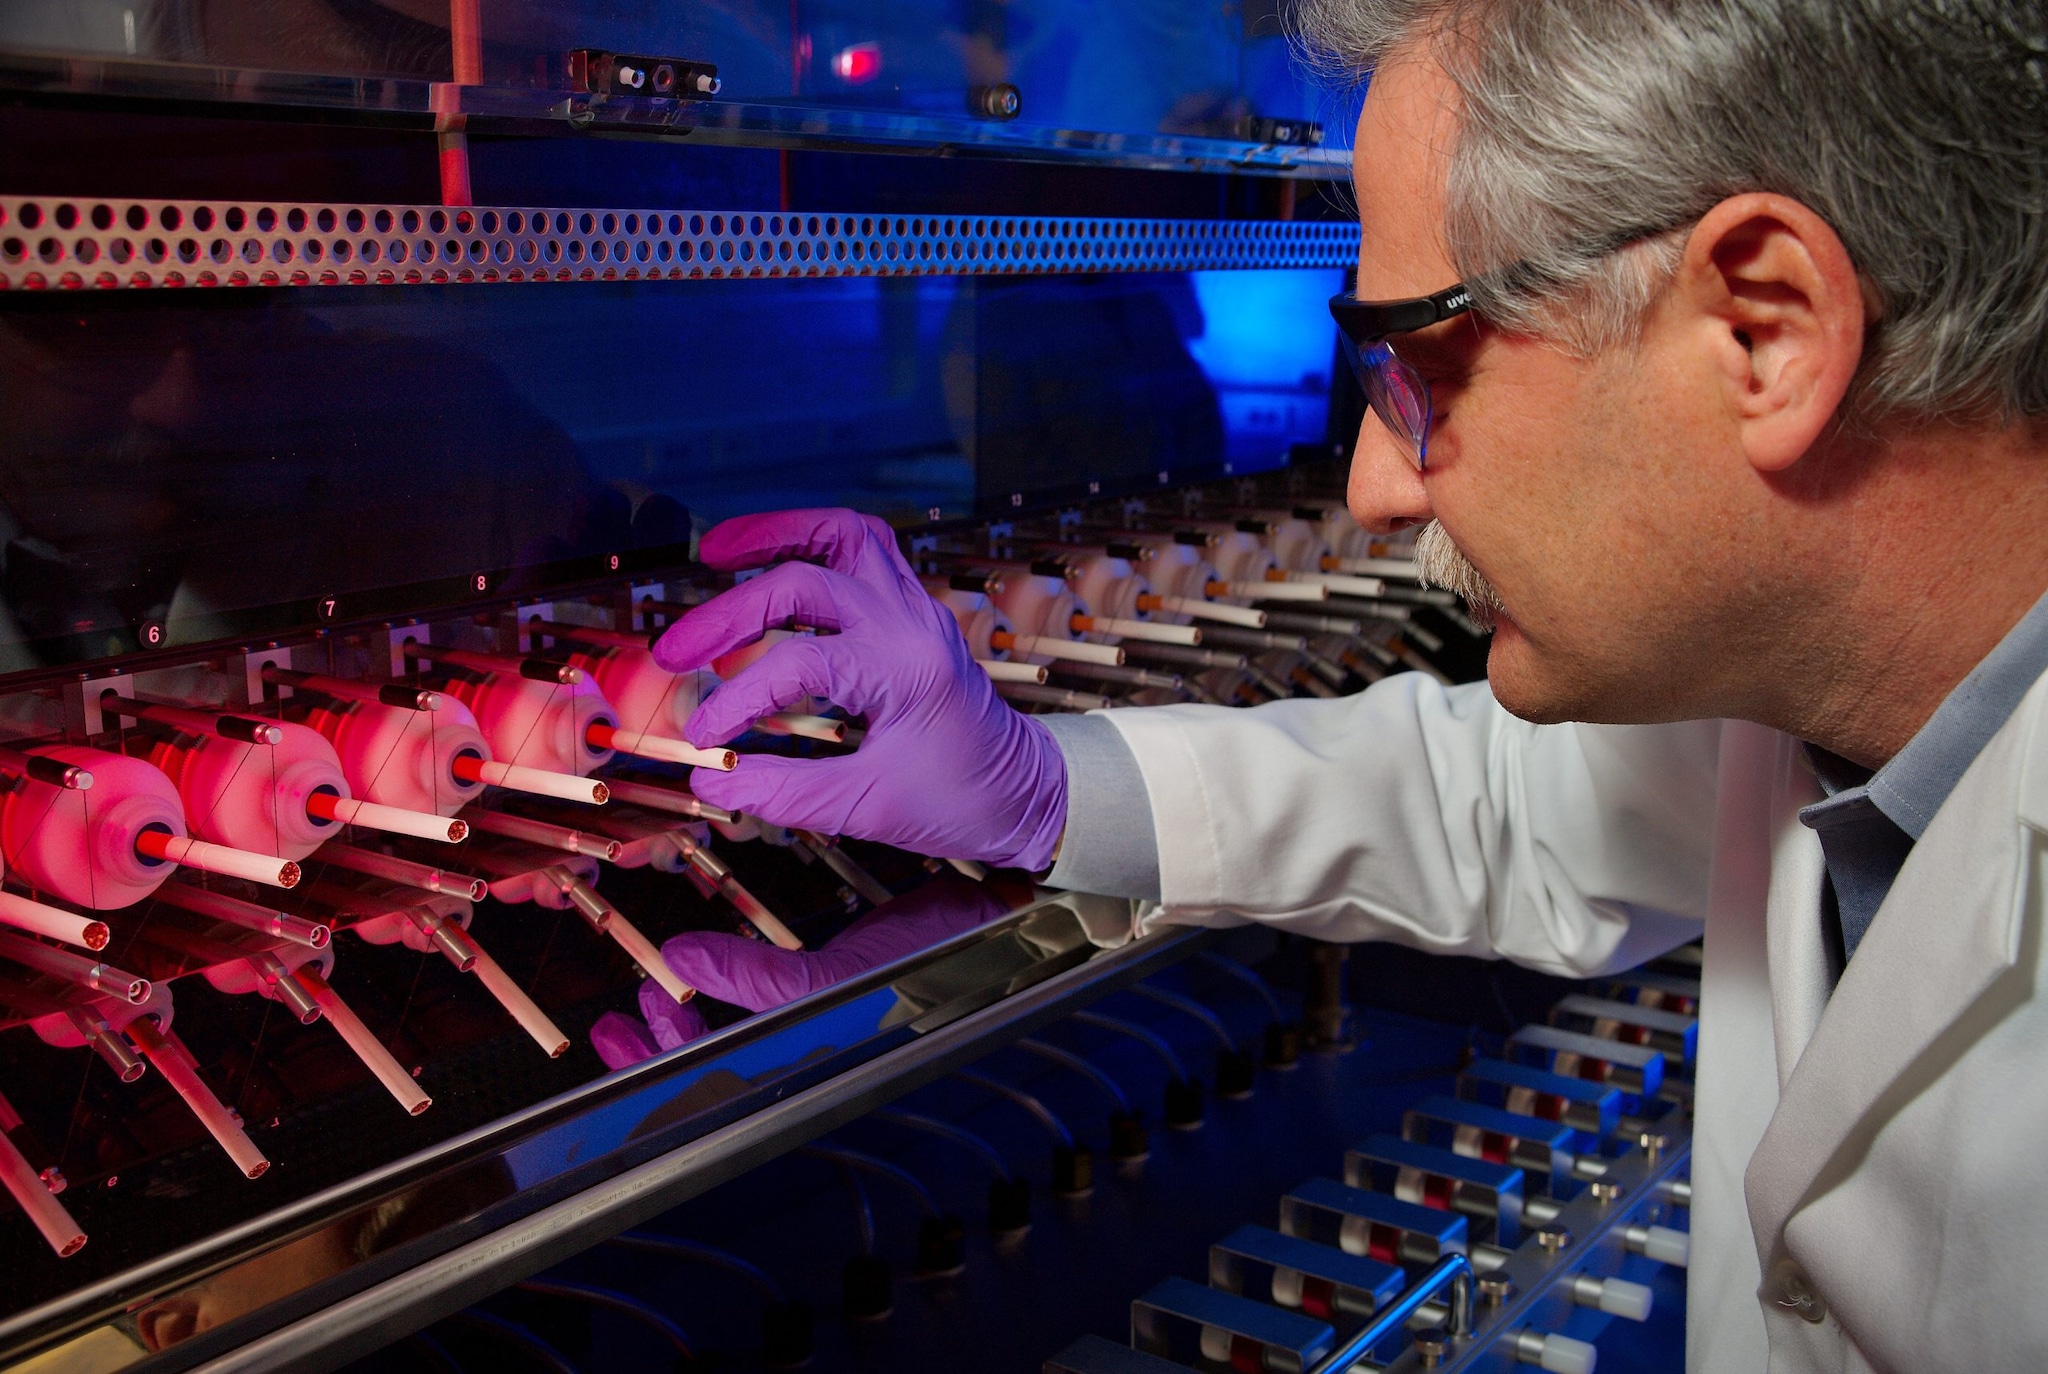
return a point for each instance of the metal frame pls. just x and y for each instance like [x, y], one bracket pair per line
[76, 243]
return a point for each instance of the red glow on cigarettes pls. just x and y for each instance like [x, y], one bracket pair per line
[858, 64]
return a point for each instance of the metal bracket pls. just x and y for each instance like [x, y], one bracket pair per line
[252, 689]
[83, 718]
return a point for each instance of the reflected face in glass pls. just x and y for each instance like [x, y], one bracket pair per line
[247, 1286]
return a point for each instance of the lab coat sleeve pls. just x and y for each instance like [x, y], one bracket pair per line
[1429, 816]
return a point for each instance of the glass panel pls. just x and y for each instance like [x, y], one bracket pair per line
[391, 446]
[1117, 66]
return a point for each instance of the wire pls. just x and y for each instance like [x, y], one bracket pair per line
[1246, 976]
[1189, 1006]
[863, 1211]
[880, 1168]
[1088, 1070]
[1038, 1109]
[1136, 1032]
[946, 1130]
[435, 1351]
[515, 1334]
[675, 1248]
[617, 1302]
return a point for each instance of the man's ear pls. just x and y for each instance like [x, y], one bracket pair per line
[1781, 312]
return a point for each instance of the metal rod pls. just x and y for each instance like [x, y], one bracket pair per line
[1452, 1271]
[80, 972]
[1143, 1034]
[263, 920]
[543, 833]
[1188, 1006]
[609, 920]
[192, 720]
[840, 862]
[730, 887]
[674, 800]
[397, 870]
[1086, 1068]
[346, 689]
[1057, 697]
[15, 764]
[532, 669]
[1039, 1111]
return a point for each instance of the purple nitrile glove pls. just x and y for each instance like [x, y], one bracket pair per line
[621, 1041]
[947, 768]
[757, 976]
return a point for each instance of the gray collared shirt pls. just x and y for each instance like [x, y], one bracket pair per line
[1867, 827]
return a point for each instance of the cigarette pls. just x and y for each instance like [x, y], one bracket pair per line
[1402, 568]
[171, 1059]
[609, 920]
[74, 969]
[674, 801]
[423, 876]
[513, 999]
[1198, 609]
[1269, 590]
[15, 764]
[344, 689]
[533, 669]
[1078, 651]
[53, 922]
[649, 746]
[1342, 583]
[539, 781]
[374, 816]
[248, 915]
[1058, 697]
[368, 1047]
[544, 833]
[1138, 629]
[244, 728]
[217, 858]
[1000, 671]
[840, 862]
[729, 887]
[809, 727]
[63, 1234]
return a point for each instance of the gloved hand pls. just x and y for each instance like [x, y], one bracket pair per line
[621, 1041]
[947, 768]
[758, 976]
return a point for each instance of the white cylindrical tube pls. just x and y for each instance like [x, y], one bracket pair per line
[264, 920]
[391, 819]
[218, 858]
[1343, 584]
[171, 1059]
[673, 800]
[545, 833]
[75, 969]
[389, 866]
[1139, 629]
[1403, 568]
[1073, 650]
[368, 1047]
[514, 1000]
[54, 922]
[540, 782]
[648, 746]
[1217, 611]
[1557, 1354]
[1270, 591]
[808, 727]
[641, 951]
[1662, 1244]
[1000, 671]
[64, 1234]
[1616, 1297]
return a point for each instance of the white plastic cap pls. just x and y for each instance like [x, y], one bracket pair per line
[1563, 1355]
[1667, 1246]
[1620, 1298]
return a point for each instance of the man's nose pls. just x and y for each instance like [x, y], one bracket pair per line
[1385, 493]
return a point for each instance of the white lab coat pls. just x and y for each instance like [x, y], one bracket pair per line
[1881, 1153]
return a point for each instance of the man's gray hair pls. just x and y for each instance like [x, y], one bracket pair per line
[1917, 128]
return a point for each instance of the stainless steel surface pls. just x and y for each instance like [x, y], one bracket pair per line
[76, 243]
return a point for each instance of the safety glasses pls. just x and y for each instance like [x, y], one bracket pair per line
[1396, 393]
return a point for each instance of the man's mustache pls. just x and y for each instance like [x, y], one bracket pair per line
[1439, 563]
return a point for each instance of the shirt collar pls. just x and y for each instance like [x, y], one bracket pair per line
[1912, 787]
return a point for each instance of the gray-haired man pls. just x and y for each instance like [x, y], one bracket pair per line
[1708, 341]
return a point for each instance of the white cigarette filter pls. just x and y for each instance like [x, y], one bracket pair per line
[539, 782]
[999, 671]
[648, 746]
[1221, 612]
[54, 922]
[1402, 568]
[1072, 650]
[63, 1234]
[1138, 629]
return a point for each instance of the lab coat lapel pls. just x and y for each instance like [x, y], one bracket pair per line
[1946, 932]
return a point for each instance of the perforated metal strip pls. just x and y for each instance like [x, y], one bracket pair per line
[55, 243]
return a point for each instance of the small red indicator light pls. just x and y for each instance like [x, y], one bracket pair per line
[858, 64]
